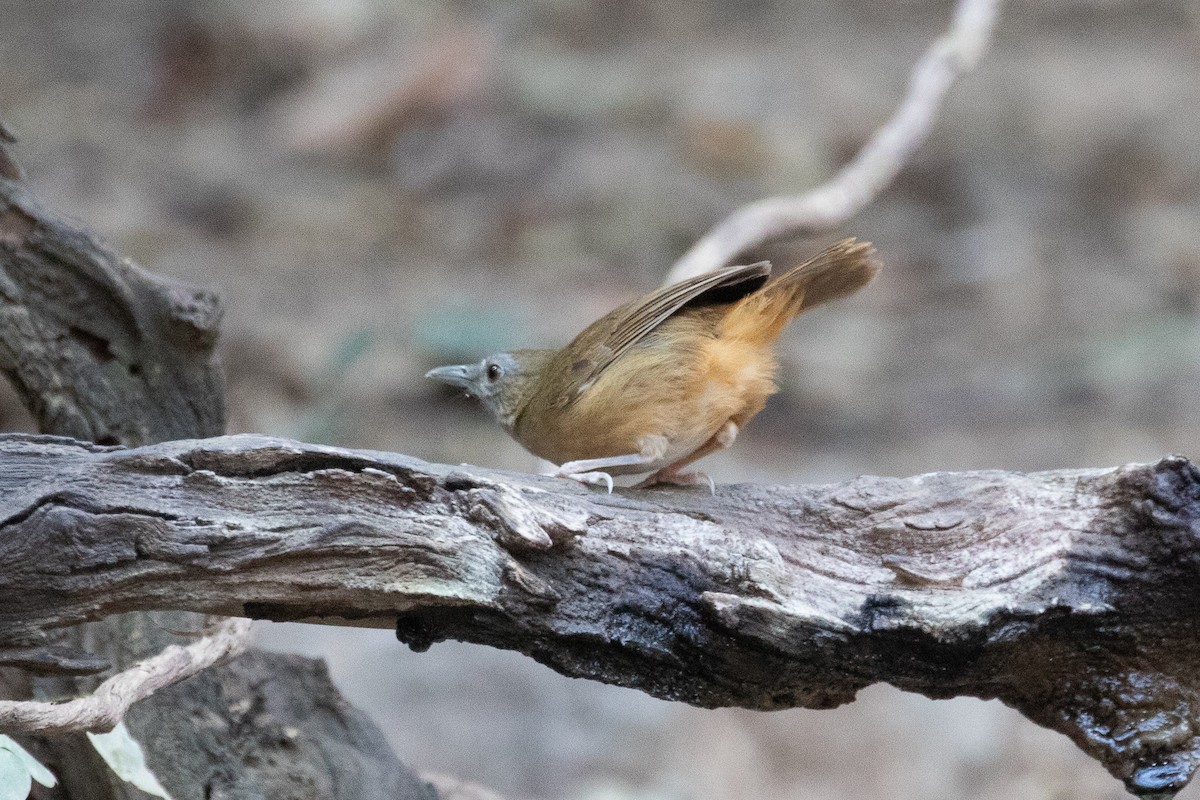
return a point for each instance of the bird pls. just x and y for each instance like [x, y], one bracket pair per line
[661, 381]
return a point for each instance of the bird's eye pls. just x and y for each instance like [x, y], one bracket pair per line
[494, 372]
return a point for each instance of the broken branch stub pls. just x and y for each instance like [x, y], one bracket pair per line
[1068, 595]
[98, 348]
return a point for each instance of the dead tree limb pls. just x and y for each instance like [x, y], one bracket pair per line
[101, 349]
[1069, 595]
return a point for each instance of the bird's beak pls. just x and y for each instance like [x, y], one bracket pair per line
[464, 376]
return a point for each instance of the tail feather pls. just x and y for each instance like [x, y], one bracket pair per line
[836, 271]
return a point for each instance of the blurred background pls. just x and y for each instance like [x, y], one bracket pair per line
[379, 186]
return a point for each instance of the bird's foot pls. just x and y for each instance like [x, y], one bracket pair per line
[591, 470]
[666, 477]
[596, 478]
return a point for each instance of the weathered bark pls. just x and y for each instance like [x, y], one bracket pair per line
[100, 349]
[265, 725]
[103, 350]
[281, 729]
[1069, 595]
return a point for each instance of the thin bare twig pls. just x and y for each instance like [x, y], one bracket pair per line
[831, 204]
[105, 707]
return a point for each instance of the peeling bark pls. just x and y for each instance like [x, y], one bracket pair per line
[1068, 595]
[103, 350]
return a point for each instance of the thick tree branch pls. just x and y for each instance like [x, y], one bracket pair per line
[103, 350]
[872, 169]
[1069, 595]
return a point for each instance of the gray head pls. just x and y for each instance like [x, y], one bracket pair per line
[501, 381]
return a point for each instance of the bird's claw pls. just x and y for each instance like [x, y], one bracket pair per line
[678, 479]
[597, 478]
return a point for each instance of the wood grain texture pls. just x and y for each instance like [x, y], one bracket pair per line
[1069, 595]
[103, 350]
[99, 348]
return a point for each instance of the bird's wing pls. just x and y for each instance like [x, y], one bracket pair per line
[606, 339]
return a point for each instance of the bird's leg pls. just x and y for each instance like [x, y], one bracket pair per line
[591, 470]
[723, 438]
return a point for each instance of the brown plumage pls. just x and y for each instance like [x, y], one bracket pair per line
[665, 379]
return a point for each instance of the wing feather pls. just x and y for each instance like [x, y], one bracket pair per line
[607, 339]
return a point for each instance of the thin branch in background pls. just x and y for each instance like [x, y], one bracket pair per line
[875, 166]
[105, 707]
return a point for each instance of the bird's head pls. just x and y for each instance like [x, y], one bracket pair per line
[502, 382]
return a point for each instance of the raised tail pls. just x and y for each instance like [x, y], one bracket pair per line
[836, 271]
